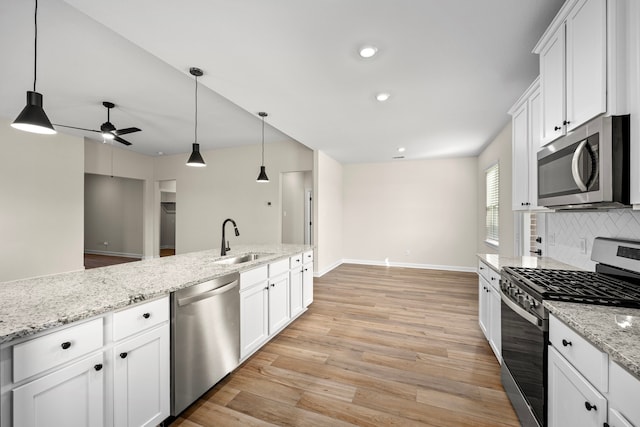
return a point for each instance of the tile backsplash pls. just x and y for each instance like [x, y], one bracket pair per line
[570, 235]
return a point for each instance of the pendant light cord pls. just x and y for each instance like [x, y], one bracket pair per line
[35, 46]
[262, 140]
[196, 127]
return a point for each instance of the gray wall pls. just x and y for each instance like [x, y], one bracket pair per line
[294, 185]
[113, 211]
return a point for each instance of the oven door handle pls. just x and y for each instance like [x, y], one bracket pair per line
[522, 313]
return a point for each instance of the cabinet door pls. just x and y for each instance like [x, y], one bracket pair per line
[141, 379]
[307, 284]
[278, 302]
[552, 85]
[483, 306]
[520, 144]
[495, 322]
[295, 290]
[572, 400]
[586, 61]
[254, 318]
[617, 420]
[70, 397]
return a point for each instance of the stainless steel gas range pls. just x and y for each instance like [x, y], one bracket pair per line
[525, 330]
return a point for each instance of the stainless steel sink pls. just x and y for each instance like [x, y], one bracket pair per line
[240, 259]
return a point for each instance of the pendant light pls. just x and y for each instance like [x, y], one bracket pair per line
[196, 159]
[33, 118]
[262, 177]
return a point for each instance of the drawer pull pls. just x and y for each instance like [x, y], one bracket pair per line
[146, 315]
[123, 355]
[481, 268]
[65, 345]
[566, 343]
[589, 406]
[98, 367]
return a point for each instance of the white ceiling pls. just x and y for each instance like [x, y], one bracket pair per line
[453, 69]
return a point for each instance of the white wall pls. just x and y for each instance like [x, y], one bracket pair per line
[420, 213]
[293, 204]
[41, 196]
[328, 208]
[227, 188]
[498, 150]
[113, 213]
[112, 160]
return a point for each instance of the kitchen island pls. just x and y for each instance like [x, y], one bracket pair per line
[34, 305]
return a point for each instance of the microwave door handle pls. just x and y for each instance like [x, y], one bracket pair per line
[575, 170]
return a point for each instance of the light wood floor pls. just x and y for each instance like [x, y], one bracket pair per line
[379, 346]
[95, 261]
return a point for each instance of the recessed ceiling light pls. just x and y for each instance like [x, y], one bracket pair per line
[368, 51]
[382, 96]
[401, 150]
[160, 153]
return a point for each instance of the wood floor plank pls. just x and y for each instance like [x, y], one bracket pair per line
[378, 347]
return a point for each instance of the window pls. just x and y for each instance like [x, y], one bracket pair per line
[493, 204]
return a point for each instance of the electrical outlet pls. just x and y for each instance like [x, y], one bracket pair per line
[583, 245]
[105, 243]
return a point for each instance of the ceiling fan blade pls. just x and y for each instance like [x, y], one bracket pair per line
[125, 131]
[121, 140]
[73, 127]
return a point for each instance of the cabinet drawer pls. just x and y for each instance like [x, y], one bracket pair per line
[278, 267]
[483, 270]
[624, 390]
[295, 261]
[307, 257]
[45, 352]
[251, 277]
[584, 356]
[139, 317]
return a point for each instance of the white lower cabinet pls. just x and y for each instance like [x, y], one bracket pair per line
[624, 390]
[278, 302]
[489, 317]
[307, 278]
[616, 419]
[141, 379]
[254, 316]
[81, 375]
[72, 397]
[295, 291]
[573, 401]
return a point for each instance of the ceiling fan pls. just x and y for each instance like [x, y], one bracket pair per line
[107, 129]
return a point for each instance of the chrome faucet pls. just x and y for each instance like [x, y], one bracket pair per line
[225, 247]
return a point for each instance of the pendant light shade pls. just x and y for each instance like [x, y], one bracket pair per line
[195, 159]
[262, 176]
[33, 118]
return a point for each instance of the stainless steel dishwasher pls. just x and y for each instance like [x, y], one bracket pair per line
[205, 338]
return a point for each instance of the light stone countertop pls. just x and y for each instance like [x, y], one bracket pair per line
[496, 262]
[29, 306]
[616, 331]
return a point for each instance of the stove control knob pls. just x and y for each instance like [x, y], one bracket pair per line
[527, 304]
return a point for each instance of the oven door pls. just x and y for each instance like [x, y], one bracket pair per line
[524, 355]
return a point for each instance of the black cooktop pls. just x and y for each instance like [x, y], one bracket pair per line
[578, 286]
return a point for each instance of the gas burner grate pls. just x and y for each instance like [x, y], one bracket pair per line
[578, 286]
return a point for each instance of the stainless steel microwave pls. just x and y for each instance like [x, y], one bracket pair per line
[588, 168]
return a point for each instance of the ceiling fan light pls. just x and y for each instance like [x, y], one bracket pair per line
[262, 177]
[108, 135]
[196, 160]
[33, 118]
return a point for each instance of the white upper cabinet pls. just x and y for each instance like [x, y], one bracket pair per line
[582, 71]
[525, 144]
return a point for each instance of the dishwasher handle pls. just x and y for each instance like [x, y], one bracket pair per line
[208, 294]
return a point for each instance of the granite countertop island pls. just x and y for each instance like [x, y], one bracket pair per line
[33, 305]
[614, 330]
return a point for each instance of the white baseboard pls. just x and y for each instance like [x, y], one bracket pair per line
[109, 253]
[328, 269]
[411, 265]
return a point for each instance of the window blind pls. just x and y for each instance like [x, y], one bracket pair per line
[493, 204]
